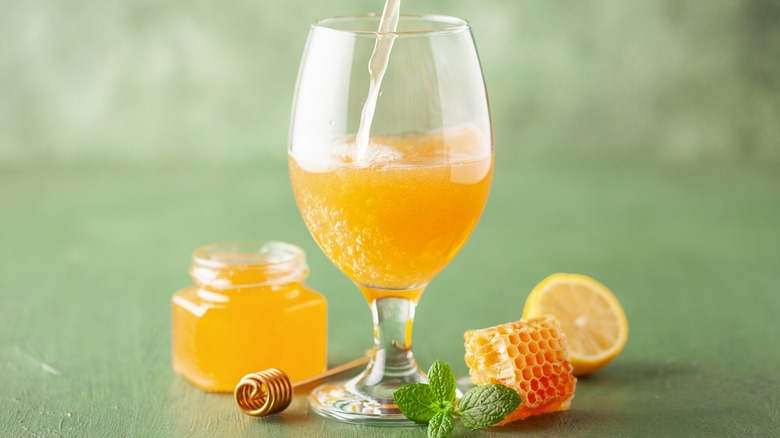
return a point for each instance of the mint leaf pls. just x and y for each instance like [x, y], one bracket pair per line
[442, 381]
[441, 425]
[416, 401]
[485, 406]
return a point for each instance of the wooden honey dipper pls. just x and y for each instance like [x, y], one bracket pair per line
[270, 391]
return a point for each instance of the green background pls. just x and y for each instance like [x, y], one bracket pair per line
[636, 142]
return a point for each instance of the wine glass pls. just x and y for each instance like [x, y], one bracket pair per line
[391, 212]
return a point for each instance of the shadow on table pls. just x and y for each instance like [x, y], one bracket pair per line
[628, 373]
[611, 398]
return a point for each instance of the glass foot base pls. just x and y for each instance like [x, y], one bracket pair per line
[342, 401]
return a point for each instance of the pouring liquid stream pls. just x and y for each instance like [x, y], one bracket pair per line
[377, 66]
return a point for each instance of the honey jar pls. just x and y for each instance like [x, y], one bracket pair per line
[247, 310]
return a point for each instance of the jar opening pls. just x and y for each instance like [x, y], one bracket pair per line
[247, 253]
[240, 264]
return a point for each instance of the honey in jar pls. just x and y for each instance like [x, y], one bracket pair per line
[247, 310]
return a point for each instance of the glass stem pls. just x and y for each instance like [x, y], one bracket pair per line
[393, 364]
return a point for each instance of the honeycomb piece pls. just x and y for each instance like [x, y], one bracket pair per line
[529, 356]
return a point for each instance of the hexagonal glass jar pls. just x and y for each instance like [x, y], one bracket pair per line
[248, 310]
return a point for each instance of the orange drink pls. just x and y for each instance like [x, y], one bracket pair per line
[395, 221]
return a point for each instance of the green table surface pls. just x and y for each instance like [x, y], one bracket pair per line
[90, 257]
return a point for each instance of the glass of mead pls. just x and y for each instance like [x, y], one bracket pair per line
[392, 209]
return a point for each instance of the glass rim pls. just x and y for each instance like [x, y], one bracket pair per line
[458, 25]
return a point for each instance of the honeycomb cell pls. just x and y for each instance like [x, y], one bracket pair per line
[533, 360]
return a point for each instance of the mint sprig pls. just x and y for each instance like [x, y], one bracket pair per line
[434, 403]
